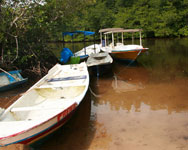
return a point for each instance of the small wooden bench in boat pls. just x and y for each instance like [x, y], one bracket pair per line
[58, 104]
[60, 86]
[67, 78]
[32, 108]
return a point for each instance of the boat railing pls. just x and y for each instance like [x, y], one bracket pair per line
[113, 31]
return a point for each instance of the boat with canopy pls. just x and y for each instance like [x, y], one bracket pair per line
[117, 46]
[86, 51]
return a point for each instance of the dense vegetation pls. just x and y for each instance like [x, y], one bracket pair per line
[27, 25]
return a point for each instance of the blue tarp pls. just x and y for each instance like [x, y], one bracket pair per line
[66, 53]
[76, 32]
[86, 32]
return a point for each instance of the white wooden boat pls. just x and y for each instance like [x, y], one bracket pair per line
[100, 64]
[87, 51]
[96, 59]
[46, 106]
[117, 48]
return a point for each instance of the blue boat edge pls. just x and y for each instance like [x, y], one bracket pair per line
[13, 83]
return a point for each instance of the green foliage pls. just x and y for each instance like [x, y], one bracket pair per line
[26, 25]
[157, 18]
[99, 16]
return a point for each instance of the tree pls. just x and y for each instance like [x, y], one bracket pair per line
[26, 26]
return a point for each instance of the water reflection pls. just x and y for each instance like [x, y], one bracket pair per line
[168, 58]
[144, 106]
[125, 91]
[143, 129]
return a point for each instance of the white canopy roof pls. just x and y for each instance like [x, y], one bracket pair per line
[110, 29]
[123, 30]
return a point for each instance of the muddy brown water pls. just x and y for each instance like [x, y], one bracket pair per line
[143, 106]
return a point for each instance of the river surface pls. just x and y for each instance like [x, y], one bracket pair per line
[142, 106]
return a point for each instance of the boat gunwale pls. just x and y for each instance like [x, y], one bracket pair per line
[15, 82]
[37, 125]
[131, 51]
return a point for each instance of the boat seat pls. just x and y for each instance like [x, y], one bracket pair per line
[67, 78]
[46, 105]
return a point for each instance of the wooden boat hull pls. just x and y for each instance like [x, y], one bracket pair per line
[38, 132]
[55, 124]
[127, 55]
[87, 51]
[125, 52]
[100, 64]
[101, 70]
[98, 59]
[12, 85]
[46, 106]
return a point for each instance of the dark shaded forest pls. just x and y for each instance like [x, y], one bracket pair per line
[27, 25]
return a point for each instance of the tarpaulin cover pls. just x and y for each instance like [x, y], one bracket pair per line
[76, 32]
[66, 53]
